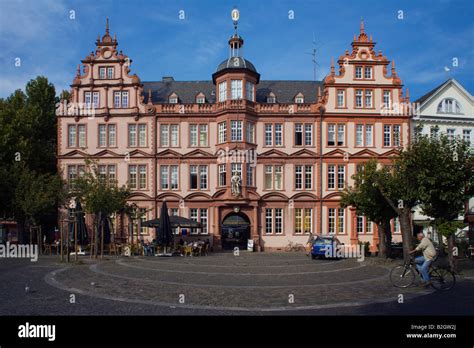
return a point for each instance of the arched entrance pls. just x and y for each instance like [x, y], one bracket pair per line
[235, 231]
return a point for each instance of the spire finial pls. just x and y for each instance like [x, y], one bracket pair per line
[407, 95]
[78, 70]
[332, 66]
[235, 14]
[107, 26]
[361, 25]
[149, 97]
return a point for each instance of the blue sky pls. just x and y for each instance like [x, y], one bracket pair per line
[422, 44]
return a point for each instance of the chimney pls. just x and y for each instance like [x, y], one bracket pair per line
[167, 79]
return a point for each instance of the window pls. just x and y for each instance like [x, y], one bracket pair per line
[102, 73]
[121, 99]
[340, 220]
[174, 211]
[360, 224]
[368, 72]
[449, 106]
[236, 89]
[307, 137]
[222, 132]
[466, 136]
[107, 135]
[249, 88]
[308, 134]
[386, 135]
[341, 98]
[169, 135]
[72, 174]
[271, 99]
[200, 99]
[396, 225]
[331, 177]
[112, 174]
[278, 134]
[142, 213]
[274, 132]
[142, 135]
[142, 177]
[268, 134]
[135, 130]
[169, 177]
[303, 174]
[198, 177]
[95, 99]
[77, 135]
[368, 98]
[250, 181]
[364, 135]
[268, 221]
[450, 133]
[222, 174]
[110, 72]
[392, 135]
[358, 72]
[387, 99]
[223, 91]
[336, 138]
[132, 177]
[303, 220]
[173, 99]
[336, 220]
[236, 130]
[299, 99]
[340, 134]
[236, 169]
[358, 98]
[273, 177]
[174, 128]
[193, 215]
[203, 135]
[250, 132]
[274, 220]
[199, 215]
[203, 218]
[341, 176]
[193, 134]
[87, 99]
[368, 226]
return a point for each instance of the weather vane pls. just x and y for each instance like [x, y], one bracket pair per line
[235, 17]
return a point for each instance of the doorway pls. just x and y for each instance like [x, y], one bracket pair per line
[235, 231]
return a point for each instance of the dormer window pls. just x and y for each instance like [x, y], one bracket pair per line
[271, 99]
[299, 99]
[200, 98]
[449, 106]
[173, 98]
[106, 73]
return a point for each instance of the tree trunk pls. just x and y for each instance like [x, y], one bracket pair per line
[382, 247]
[451, 259]
[407, 234]
[96, 239]
[388, 238]
[440, 243]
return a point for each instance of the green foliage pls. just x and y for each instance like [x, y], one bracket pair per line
[366, 195]
[97, 194]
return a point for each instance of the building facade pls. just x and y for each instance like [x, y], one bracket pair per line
[248, 158]
[447, 109]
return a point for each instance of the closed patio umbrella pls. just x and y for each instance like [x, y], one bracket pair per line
[164, 232]
[81, 225]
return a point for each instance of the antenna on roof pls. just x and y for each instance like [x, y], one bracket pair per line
[313, 55]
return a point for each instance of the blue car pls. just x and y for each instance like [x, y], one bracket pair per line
[323, 245]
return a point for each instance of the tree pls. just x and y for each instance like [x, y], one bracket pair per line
[37, 195]
[447, 187]
[101, 197]
[368, 200]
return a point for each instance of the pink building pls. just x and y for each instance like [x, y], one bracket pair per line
[248, 158]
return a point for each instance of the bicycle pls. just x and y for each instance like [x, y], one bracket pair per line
[404, 275]
[295, 247]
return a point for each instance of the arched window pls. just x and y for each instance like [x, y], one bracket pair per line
[449, 106]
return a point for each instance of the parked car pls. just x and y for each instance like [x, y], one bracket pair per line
[323, 245]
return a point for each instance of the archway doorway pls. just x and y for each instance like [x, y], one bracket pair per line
[235, 230]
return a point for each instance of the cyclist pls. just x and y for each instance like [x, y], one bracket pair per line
[309, 243]
[423, 262]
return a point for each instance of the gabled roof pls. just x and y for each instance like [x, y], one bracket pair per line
[284, 90]
[437, 89]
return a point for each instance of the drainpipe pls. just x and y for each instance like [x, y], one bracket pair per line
[322, 109]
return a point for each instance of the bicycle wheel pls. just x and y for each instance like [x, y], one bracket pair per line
[402, 277]
[442, 279]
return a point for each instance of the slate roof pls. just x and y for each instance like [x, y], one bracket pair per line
[284, 90]
[231, 63]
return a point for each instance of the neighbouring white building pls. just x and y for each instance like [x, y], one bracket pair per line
[447, 109]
